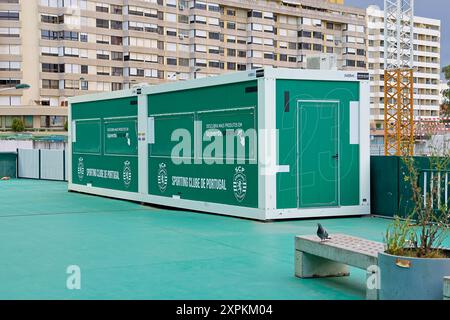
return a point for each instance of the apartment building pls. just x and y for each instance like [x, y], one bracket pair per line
[427, 35]
[71, 47]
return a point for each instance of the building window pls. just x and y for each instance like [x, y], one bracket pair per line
[231, 52]
[10, 32]
[115, 86]
[102, 23]
[103, 71]
[9, 66]
[84, 85]
[350, 63]
[255, 14]
[102, 55]
[317, 47]
[71, 84]
[9, 82]
[242, 67]
[184, 62]
[102, 8]
[117, 71]
[84, 69]
[171, 61]
[53, 67]
[54, 19]
[116, 56]
[50, 84]
[116, 25]
[231, 66]
[269, 55]
[9, 15]
[214, 35]
[83, 37]
[115, 9]
[361, 64]
[118, 41]
[216, 64]
[134, 72]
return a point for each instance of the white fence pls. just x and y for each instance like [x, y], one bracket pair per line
[438, 193]
[43, 164]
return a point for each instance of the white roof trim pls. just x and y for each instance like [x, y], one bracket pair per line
[235, 77]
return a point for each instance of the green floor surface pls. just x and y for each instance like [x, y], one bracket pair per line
[129, 251]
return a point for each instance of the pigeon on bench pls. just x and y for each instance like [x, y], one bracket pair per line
[322, 233]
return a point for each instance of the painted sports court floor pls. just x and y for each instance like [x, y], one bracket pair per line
[129, 251]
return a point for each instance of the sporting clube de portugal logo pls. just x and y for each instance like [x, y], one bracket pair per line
[240, 184]
[162, 177]
[80, 169]
[127, 174]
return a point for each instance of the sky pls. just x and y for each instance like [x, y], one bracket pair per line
[436, 9]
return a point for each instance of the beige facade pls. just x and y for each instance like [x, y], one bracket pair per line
[427, 36]
[71, 47]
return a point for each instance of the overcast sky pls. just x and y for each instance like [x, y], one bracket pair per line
[436, 9]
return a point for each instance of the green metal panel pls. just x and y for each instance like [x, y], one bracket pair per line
[122, 107]
[293, 91]
[208, 115]
[318, 135]
[166, 125]
[105, 144]
[119, 138]
[384, 173]
[391, 193]
[8, 164]
[88, 136]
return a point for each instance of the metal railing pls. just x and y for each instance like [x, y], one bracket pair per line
[430, 191]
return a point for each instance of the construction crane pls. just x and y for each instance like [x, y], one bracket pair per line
[398, 77]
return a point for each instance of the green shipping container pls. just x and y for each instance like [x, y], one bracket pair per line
[264, 144]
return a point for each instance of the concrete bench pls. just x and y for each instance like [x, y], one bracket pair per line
[331, 258]
[447, 288]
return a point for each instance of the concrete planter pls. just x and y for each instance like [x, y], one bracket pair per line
[404, 278]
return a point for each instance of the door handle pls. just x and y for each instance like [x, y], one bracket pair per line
[336, 156]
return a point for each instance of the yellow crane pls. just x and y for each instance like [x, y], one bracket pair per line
[399, 77]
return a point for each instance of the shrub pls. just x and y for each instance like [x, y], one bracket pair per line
[18, 125]
[426, 226]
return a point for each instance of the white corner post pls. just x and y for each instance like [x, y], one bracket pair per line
[364, 125]
[267, 144]
[143, 138]
[70, 132]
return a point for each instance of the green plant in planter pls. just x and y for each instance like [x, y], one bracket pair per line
[422, 232]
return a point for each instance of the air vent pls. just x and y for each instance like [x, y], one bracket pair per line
[260, 73]
[251, 89]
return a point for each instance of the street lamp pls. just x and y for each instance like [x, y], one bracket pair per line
[195, 72]
[22, 86]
